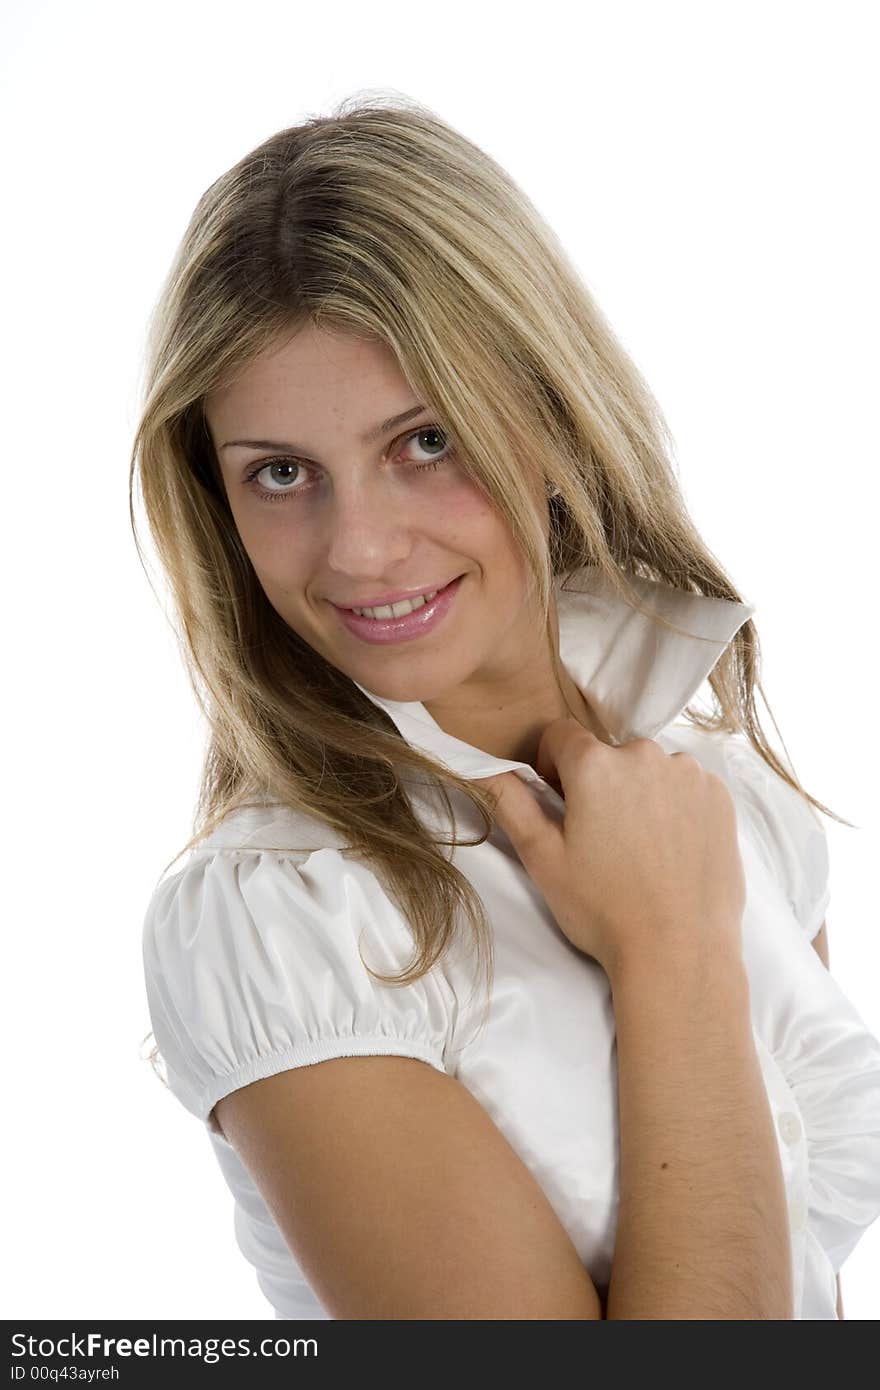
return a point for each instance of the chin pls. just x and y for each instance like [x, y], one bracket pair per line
[414, 688]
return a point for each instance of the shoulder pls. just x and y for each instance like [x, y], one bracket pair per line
[265, 871]
[259, 954]
[273, 827]
[784, 828]
[719, 751]
[281, 834]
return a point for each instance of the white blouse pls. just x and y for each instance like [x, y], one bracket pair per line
[252, 958]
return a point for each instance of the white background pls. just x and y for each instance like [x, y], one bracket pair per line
[712, 170]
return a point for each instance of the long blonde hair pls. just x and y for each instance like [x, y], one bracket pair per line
[381, 220]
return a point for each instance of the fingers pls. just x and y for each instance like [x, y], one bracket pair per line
[505, 795]
[521, 818]
[564, 745]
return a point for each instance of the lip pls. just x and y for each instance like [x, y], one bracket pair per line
[404, 629]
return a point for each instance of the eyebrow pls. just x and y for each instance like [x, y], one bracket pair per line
[371, 435]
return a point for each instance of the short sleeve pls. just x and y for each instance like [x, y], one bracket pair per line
[792, 838]
[253, 965]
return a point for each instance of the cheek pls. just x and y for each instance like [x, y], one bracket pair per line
[282, 567]
[278, 551]
[493, 537]
[469, 523]
[470, 519]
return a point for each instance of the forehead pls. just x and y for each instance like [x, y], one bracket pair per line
[315, 374]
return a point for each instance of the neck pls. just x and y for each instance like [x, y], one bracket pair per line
[507, 719]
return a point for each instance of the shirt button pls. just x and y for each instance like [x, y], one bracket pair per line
[789, 1127]
[797, 1210]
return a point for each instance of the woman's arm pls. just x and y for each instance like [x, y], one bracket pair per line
[820, 944]
[702, 1223]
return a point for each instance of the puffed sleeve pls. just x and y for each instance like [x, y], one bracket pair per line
[792, 837]
[827, 1055]
[252, 966]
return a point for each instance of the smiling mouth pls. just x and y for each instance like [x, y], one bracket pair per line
[396, 610]
[417, 621]
[402, 607]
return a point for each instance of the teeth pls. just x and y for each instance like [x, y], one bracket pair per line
[396, 610]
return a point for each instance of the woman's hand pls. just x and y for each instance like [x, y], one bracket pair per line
[647, 857]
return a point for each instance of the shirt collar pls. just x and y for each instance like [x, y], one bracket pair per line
[637, 675]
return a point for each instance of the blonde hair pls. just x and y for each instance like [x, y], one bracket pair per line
[383, 221]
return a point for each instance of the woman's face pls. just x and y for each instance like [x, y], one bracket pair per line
[335, 515]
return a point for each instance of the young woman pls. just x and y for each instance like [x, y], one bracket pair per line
[493, 968]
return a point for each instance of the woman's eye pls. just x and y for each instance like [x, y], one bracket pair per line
[435, 432]
[287, 472]
[273, 494]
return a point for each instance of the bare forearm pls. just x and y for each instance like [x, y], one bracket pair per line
[702, 1228]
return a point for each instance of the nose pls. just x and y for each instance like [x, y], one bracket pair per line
[370, 527]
